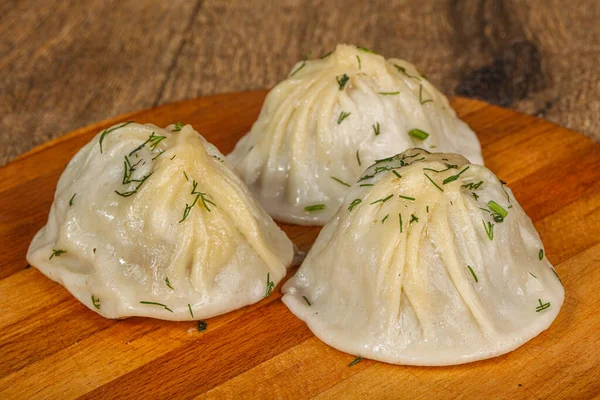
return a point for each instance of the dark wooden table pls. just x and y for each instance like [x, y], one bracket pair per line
[67, 63]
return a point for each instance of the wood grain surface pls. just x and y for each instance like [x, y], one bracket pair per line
[51, 346]
[67, 63]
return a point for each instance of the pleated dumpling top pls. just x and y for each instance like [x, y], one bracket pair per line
[331, 118]
[153, 222]
[430, 261]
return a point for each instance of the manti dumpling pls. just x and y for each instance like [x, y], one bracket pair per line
[330, 119]
[153, 222]
[429, 261]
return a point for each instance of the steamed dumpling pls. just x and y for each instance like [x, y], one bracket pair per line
[333, 117]
[429, 261]
[152, 222]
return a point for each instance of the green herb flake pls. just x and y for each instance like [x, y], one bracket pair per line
[384, 218]
[389, 93]
[541, 254]
[421, 96]
[366, 50]
[178, 127]
[57, 253]
[558, 277]
[475, 196]
[533, 275]
[356, 361]
[107, 131]
[407, 198]
[303, 64]
[377, 129]
[473, 273]
[435, 184]
[190, 308]
[199, 196]
[186, 177]
[427, 209]
[354, 203]
[413, 218]
[314, 207]
[403, 70]
[270, 285]
[71, 201]
[172, 158]
[473, 186]
[326, 55]
[418, 134]
[306, 300]
[156, 304]
[358, 158]
[202, 326]
[400, 220]
[489, 229]
[454, 177]
[342, 80]
[339, 181]
[343, 116]
[396, 173]
[499, 213]
[542, 306]
[366, 184]
[359, 65]
[383, 200]
[168, 284]
[96, 302]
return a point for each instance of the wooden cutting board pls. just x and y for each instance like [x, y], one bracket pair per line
[51, 346]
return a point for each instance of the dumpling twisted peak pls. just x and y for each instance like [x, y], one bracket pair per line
[333, 116]
[153, 222]
[429, 261]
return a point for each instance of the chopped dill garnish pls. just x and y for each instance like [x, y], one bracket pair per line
[448, 166]
[339, 180]
[172, 158]
[186, 177]
[541, 254]
[366, 184]
[533, 275]
[306, 300]
[396, 173]
[384, 218]
[153, 140]
[406, 197]
[356, 361]
[413, 218]
[473, 273]
[168, 284]
[427, 209]
[377, 129]
[403, 70]
[383, 200]
[400, 219]
[199, 196]
[436, 185]
[303, 64]
[499, 213]
[57, 253]
[354, 203]
[190, 308]
[71, 201]
[389, 93]
[343, 116]
[270, 285]
[158, 155]
[202, 326]
[131, 192]
[473, 186]
[96, 302]
[358, 59]
[542, 306]
[358, 158]
[454, 177]
[421, 96]
[314, 207]
[555, 273]
[489, 229]
[418, 134]
[177, 127]
[156, 304]
[342, 80]
[484, 209]
[326, 55]
[366, 50]
[107, 131]
[475, 195]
